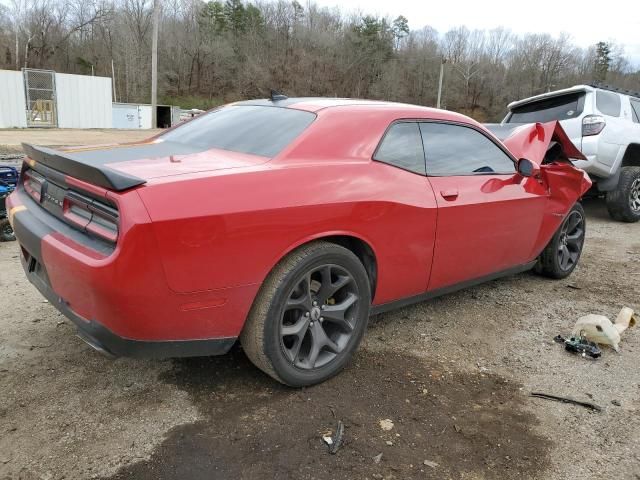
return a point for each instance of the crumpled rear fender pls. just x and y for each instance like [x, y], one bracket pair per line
[533, 141]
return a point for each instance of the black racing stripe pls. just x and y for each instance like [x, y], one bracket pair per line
[29, 232]
[263, 102]
[502, 132]
[107, 155]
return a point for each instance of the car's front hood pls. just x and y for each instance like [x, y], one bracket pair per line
[533, 140]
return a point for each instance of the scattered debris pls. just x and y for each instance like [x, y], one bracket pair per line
[579, 345]
[574, 287]
[599, 329]
[431, 464]
[589, 405]
[386, 424]
[377, 458]
[335, 442]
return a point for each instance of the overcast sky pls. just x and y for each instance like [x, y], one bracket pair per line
[586, 21]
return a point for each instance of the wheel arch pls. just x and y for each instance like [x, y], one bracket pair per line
[358, 245]
[631, 156]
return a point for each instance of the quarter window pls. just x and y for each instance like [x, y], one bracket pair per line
[608, 103]
[402, 147]
[456, 150]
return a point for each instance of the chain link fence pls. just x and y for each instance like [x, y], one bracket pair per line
[40, 90]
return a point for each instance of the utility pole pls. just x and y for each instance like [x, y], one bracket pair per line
[17, 49]
[113, 81]
[154, 64]
[442, 62]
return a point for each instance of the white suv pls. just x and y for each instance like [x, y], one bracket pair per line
[604, 123]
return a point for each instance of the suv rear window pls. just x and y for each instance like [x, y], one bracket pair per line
[608, 103]
[257, 130]
[562, 107]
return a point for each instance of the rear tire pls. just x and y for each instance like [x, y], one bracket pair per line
[561, 255]
[623, 203]
[6, 232]
[309, 315]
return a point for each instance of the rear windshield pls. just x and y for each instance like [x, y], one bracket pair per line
[256, 130]
[563, 107]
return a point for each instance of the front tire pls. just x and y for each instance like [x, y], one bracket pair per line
[309, 315]
[623, 203]
[560, 257]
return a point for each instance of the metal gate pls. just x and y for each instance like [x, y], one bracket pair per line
[40, 92]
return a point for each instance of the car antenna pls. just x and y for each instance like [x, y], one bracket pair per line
[276, 95]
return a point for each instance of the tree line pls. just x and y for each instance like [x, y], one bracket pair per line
[219, 51]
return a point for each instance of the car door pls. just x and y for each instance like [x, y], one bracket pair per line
[489, 216]
[408, 237]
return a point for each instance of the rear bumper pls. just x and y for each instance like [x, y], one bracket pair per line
[105, 341]
[119, 300]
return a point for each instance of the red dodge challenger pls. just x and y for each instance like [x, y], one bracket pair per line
[285, 223]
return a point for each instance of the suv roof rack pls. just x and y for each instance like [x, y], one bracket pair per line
[611, 88]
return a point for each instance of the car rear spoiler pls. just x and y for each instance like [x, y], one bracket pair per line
[534, 140]
[73, 165]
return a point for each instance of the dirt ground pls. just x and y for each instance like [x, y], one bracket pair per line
[453, 375]
[12, 138]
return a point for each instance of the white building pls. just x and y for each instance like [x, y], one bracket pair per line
[43, 98]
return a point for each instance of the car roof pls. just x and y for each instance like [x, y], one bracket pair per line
[316, 104]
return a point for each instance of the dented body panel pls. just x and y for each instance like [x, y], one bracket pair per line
[199, 235]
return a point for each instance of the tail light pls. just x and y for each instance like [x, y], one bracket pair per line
[91, 215]
[592, 125]
[33, 184]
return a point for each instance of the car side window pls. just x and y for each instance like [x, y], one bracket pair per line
[608, 103]
[635, 109]
[402, 147]
[457, 150]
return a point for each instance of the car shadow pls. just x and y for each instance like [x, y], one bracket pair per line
[597, 208]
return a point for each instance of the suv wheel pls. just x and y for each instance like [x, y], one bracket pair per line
[309, 316]
[623, 203]
[561, 255]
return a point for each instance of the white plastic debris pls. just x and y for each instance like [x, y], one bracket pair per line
[430, 463]
[386, 424]
[599, 329]
[328, 439]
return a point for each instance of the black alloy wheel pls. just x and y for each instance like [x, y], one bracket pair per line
[318, 318]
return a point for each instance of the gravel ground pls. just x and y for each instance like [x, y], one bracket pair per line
[453, 375]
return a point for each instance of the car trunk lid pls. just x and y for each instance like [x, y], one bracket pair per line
[124, 166]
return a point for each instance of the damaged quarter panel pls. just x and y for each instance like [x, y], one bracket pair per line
[565, 183]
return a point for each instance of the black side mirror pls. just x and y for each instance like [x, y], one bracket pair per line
[528, 168]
